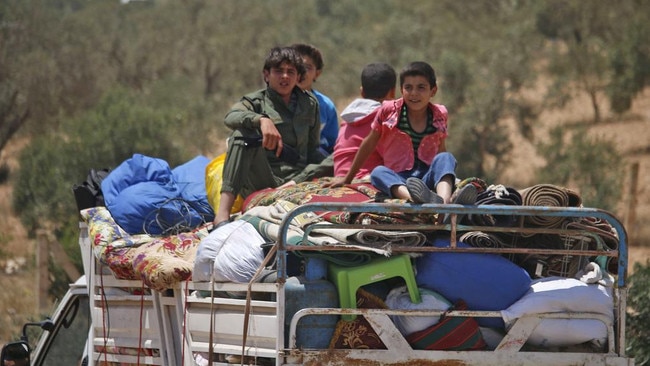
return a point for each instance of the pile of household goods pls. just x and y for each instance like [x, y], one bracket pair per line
[155, 214]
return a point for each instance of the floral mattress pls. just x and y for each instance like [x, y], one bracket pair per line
[160, 262]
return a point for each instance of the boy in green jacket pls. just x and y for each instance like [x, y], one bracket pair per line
[276, 133]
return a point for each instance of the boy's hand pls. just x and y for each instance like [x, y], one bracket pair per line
[271, 138]
[336, 182]
[288, 184]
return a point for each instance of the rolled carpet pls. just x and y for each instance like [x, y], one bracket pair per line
[548, 195]
[480, 239]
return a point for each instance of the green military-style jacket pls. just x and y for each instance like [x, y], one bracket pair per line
[299, 128]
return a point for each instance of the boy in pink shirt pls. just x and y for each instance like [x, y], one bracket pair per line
[377, 84]
[409, 134]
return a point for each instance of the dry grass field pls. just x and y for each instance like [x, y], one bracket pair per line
[631, 134]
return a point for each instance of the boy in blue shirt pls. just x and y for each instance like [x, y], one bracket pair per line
[313, 61]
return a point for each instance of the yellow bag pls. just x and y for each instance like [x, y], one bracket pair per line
[213, 172]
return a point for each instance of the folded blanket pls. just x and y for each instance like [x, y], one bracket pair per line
[564, 265]
[370, 238]
[268, 227]
[315, 191]
[107, 237]
[360, 238]
[551, 196]
[499, 195]
[267, 220]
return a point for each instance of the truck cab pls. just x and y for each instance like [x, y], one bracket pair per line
[63, 337]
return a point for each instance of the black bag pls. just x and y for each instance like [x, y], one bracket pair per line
[89, 193]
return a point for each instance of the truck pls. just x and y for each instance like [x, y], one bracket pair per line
[292, 319]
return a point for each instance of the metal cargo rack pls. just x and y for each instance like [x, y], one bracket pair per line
[509, 351]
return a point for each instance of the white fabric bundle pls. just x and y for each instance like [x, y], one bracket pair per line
[231, 253]
[399, 298]
[592, 273]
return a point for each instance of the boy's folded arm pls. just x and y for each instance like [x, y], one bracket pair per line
[240, 116]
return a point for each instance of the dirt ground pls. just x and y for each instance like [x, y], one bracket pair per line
[631, 134]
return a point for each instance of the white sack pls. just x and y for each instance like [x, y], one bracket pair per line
[231, 253]
[568, 332]
[561, 295]
[399, 298]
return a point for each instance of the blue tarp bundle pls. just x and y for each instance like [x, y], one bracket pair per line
[144, 195]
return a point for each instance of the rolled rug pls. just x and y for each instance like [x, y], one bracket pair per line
[497, 195]
[548, 195]
[601, 228]
[480, 239]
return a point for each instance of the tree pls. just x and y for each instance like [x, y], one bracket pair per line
[595, 51]
[629, 60]
[117, 128]
[13, 112]
[487, 60]
[45, 66]
[11, 120]
[638, 315]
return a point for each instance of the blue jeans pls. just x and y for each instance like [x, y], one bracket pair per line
[443, 164]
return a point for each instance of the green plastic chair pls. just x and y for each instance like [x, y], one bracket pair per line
[349, 279]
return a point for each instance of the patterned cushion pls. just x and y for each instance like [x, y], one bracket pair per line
[450, 333]
[358, 334]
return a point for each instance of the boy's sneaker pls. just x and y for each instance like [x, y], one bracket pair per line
[420, 193]
[464, 196]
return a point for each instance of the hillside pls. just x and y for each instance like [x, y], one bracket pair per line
[631, 134]
[17, 275]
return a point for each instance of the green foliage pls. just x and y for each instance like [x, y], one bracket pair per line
[68, 236]
[117, 128]
[574, 159]
[60, 283]
[638, 315]
[596, 49]
[630, 64]
[479, 137]
[120, 126]
[40, 190]
[455, 73]
[484, 70]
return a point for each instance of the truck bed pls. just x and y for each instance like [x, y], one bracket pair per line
[174, 325]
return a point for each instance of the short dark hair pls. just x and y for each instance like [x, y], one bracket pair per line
[311, 51]
[418, 68]
[377, 79]
[278, 55]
